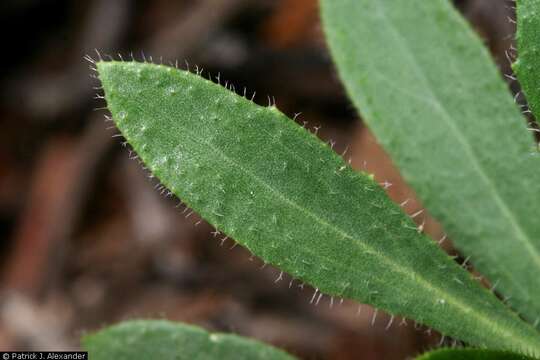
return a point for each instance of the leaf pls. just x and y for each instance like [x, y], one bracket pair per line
[288, 198]
[527, 66]
[471, 354]
[160, 339]
[429, 90]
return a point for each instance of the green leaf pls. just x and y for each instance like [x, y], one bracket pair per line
[471, 354]
[160, 339]
[288, 198]
[527, 66]
[430, 92]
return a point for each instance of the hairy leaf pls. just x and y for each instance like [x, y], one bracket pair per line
[527, 66]
[287, 197]
[160, 339]
[430, 92]
[471, 354]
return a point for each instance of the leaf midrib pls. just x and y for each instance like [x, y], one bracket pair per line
[503, 207]
[414, 276]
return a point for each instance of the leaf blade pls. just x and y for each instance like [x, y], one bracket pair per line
[471, 354]
[470, 159]
[285, 196]
[160, 339]
[528, 62]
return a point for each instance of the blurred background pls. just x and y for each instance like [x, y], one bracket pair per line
[86, 240]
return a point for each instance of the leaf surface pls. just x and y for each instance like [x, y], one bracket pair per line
[527, 66]
[288, 198]
[471, 354]
[430, 92]
[160, 339]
